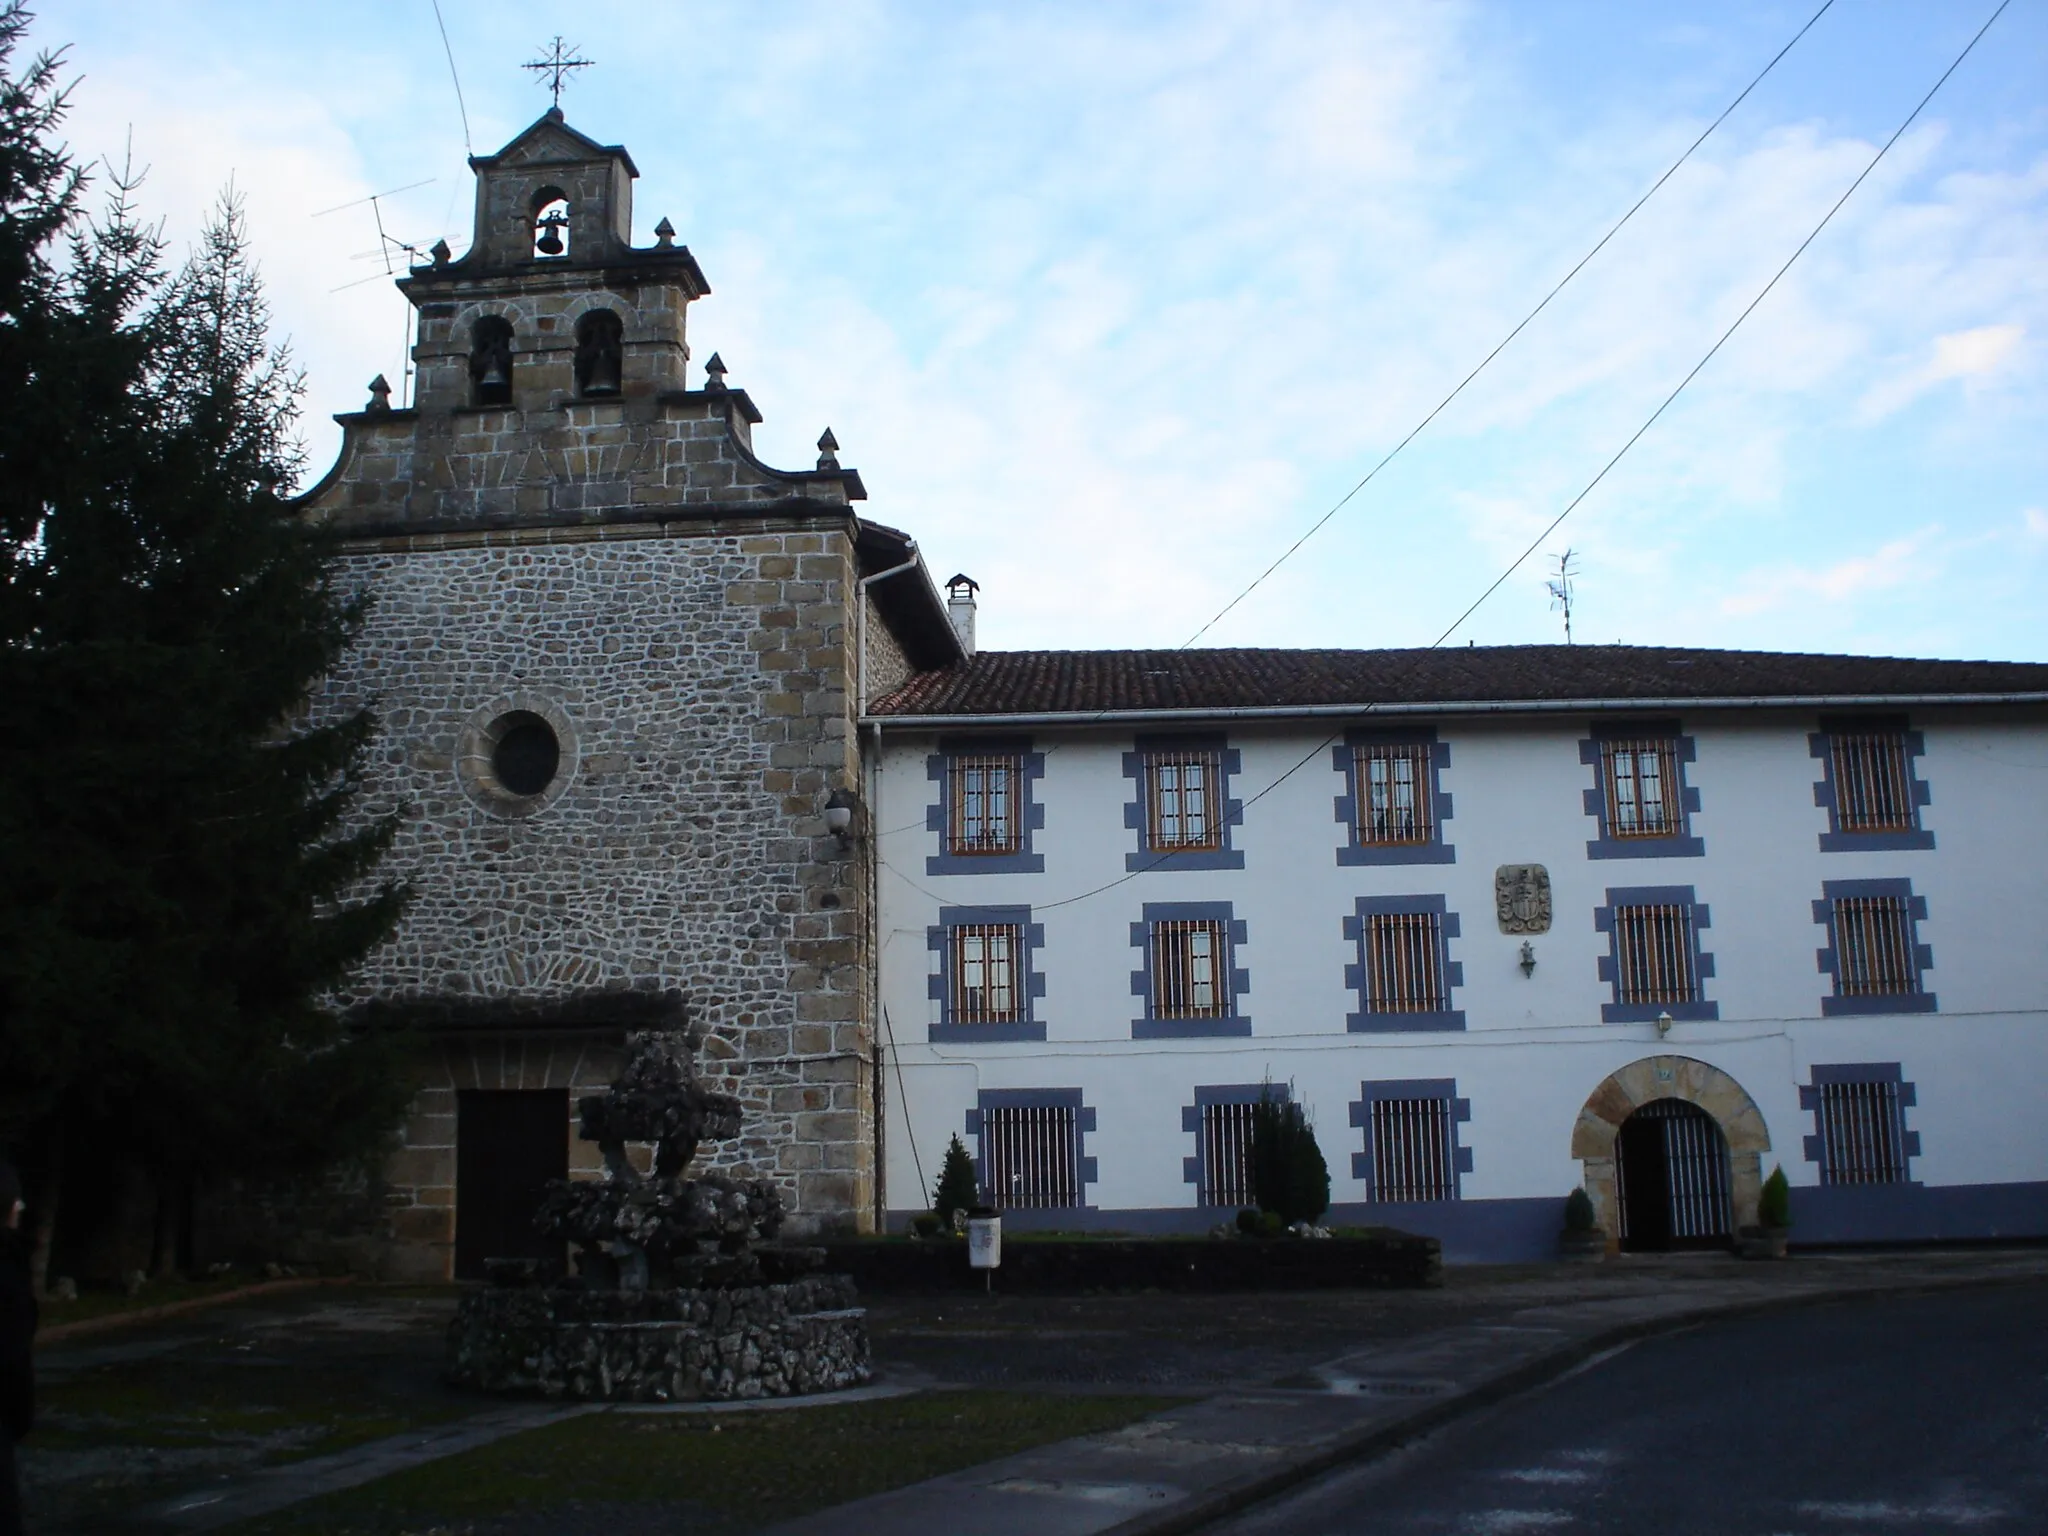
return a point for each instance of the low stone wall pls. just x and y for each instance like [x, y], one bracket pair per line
[1395, 1260]
[661, 1346]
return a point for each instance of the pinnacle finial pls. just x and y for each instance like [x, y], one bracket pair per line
[440, 252]
[380, 397]
[828, 451]
[664, 234]
[714, 372]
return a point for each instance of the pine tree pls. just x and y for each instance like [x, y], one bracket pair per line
[189, 866]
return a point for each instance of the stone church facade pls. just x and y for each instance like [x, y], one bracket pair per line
[619, 663]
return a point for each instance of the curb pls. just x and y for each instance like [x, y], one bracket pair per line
[113, 1320]
[1194, 1514]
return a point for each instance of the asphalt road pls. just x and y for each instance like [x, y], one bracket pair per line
[1919, 1415]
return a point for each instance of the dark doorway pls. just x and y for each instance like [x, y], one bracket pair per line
[508, 1144]
[1671, 1167]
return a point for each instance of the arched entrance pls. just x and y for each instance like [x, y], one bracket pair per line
[1671, 1177]
[1676, 1080]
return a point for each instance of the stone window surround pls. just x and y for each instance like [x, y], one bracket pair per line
[1344, 759]
[1193, 1170]
[1229, 813]
[1029, 813]
[1228, 974]
[1820, 744]
[1618, 1012]
[479, 737]
[1681, 845]
[1357, 977]
[1029, 982]
[1040, 1098]
[1445, 1088]
[1819, 1076]
[1828, 961]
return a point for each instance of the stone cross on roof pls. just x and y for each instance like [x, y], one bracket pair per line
[558, 63]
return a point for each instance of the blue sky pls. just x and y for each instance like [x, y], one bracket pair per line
[1109, 302]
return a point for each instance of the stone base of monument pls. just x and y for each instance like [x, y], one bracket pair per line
[661, 1346]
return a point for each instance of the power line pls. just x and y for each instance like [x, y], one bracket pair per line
[1735, 325]
[460, 105]
[1495, 585]
[1317, 526]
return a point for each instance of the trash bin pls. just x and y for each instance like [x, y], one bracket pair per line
[984, 1240]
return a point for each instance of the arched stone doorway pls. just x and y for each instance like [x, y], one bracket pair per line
[1725, 1102]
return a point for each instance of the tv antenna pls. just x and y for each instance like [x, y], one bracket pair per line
[1560, 588]
[388, 245]
[558, 63]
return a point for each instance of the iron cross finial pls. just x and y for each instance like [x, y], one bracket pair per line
[556, 64]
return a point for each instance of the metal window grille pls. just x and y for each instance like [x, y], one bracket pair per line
[1188, 965]
[1183, 799]
[983, 792]
[1227, 1155]
[1874, 947]
[1393, 800]
[1642, 788]
[1872, 791]
[985, 987]
[1653, 954]
[1695, 1166]
[1403, 963]
[1412, 1156]
[1862, 1134]
[1030, 1157]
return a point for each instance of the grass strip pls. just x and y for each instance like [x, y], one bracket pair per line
[710, 1474]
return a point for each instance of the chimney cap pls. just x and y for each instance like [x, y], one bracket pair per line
[954, 582]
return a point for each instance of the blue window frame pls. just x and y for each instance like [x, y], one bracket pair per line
[1220, 1121]
[1873, 951]
[987, 808]
[1190, 982]
[1411, 1153]
[988, 985]
[1859, 1122]
[1640, 798]
[1869, 785]
[1654, 962]
[1181, 808]
[1030, 1147]
[1393, 808]
[1405, 976]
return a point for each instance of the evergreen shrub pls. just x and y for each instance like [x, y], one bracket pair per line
[1774, 1208]
[1289, 1176]
[956, 1189]
[1578, 1211]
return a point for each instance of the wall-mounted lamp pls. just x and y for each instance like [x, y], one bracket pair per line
[1528, 958]
[839, 815]
[1663, 1025]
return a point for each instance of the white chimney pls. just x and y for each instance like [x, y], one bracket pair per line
[960, 609]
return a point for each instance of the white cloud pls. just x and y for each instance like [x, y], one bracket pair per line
[1977, 353]
[1890, 565]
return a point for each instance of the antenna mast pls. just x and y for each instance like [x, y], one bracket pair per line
[1560, 588]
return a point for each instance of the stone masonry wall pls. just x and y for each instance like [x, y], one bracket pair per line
[888, 668]
[696, 673]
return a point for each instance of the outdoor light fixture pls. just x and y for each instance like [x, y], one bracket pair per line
[839, 815]
[1528, 958]
[1663, 1025]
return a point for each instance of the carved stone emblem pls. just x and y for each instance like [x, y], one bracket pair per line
[1521, 897]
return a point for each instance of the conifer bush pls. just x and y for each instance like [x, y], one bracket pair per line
[956, 1189]
[1578, 1211]
[1289, 1176]
[1774, 1207]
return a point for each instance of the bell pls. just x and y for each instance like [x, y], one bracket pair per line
[550, 241]
[604, 373]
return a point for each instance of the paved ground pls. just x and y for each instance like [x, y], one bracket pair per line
[1918, 1415]
[282, 1397]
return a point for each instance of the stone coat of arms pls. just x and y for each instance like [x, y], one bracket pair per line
[1521, 896]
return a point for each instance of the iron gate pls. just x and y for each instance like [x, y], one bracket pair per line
[1695, 1157]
